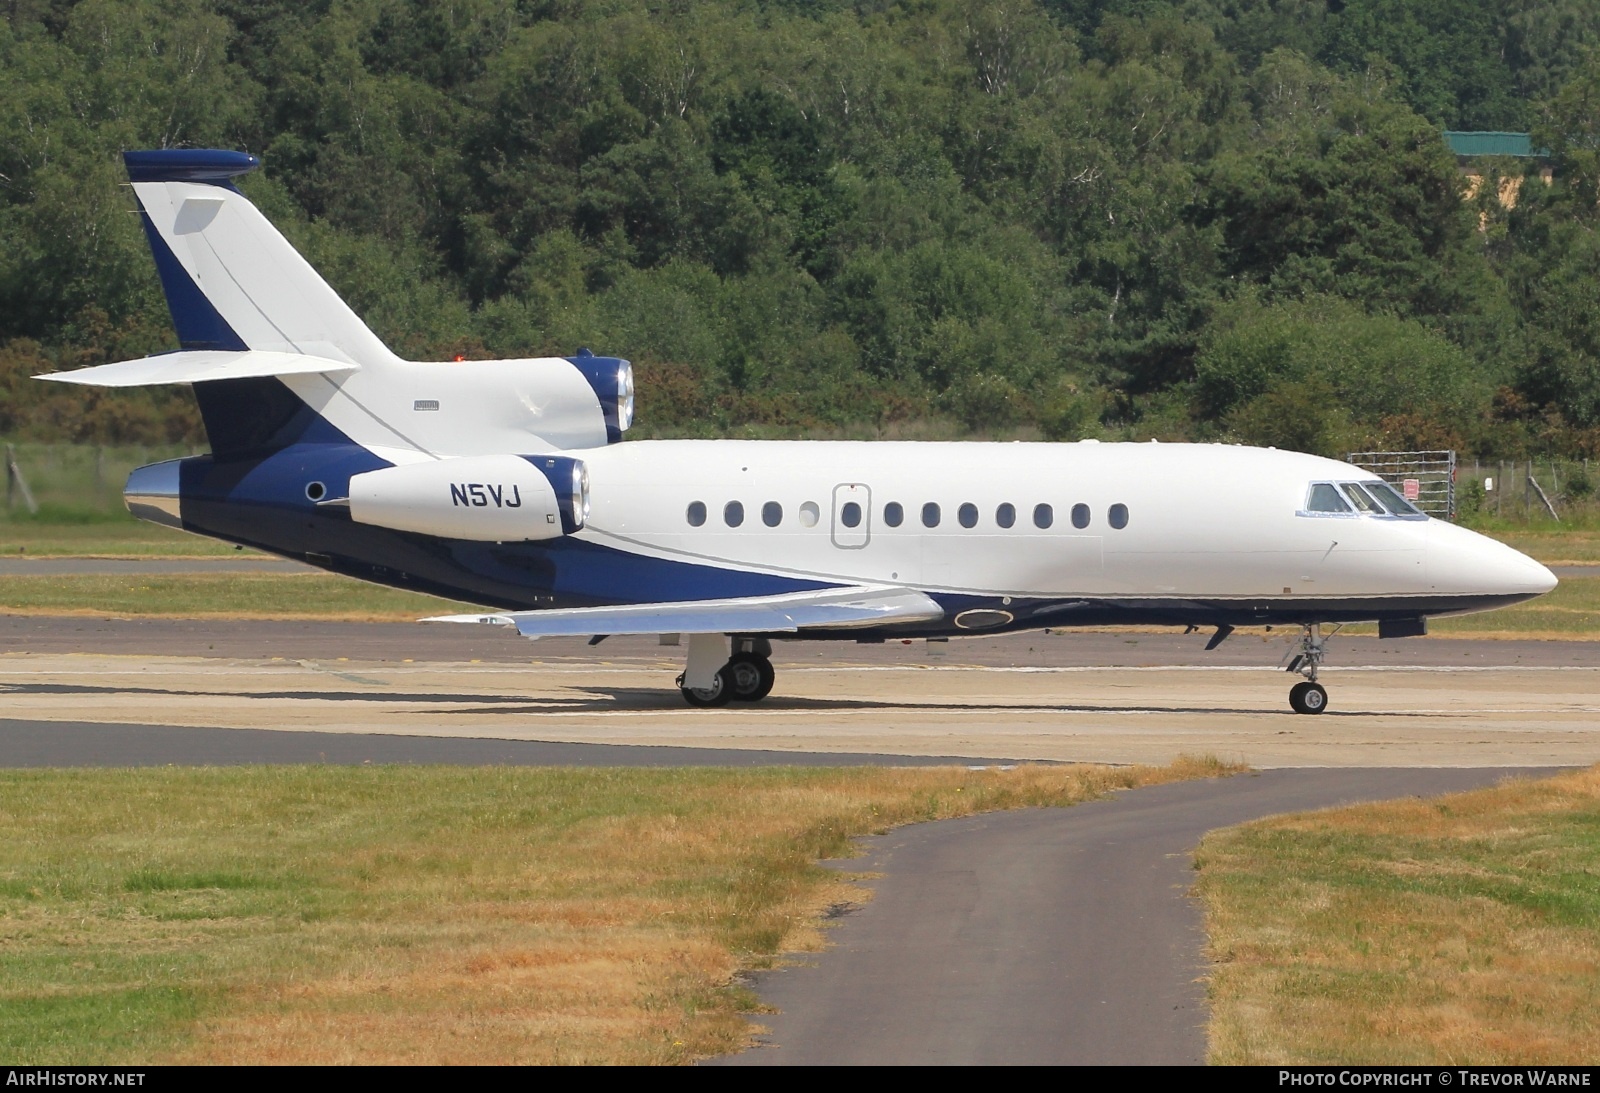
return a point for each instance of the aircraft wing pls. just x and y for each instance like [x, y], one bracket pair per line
[827, 609]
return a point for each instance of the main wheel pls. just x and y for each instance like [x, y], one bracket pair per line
[1308, 697]
[720, 693]
[752, 677]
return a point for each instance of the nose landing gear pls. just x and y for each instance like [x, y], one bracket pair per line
[1309, 696]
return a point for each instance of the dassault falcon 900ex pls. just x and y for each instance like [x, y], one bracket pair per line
[503, 483]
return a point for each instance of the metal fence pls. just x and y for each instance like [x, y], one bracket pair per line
[1427, 479]
[73, 478]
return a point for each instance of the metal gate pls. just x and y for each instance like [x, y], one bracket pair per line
[1427, 479]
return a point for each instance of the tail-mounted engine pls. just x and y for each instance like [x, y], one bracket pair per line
[493, 498]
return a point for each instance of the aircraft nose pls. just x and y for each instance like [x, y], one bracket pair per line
[1462, 561]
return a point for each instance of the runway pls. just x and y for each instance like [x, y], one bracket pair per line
[1069, 697]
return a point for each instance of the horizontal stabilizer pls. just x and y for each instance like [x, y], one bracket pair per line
[197, 366]
[828, 609]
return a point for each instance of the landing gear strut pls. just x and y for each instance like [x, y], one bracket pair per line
[1309, 696]
[746, 676]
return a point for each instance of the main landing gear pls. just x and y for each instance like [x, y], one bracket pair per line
[1309, 696]
[746, 676]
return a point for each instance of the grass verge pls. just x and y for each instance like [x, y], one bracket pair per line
[221, 595]
[108, 535]
[1571, 610]
[1457, 930]
[435, 915]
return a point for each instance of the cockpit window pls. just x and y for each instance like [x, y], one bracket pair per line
[1363, 500]
[1392, 500]
[1324, 498]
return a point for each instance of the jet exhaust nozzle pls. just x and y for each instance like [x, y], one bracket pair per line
[153, 493]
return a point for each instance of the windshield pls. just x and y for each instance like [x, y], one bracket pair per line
[1324, 498]
[1391, 499]
[1363, 500]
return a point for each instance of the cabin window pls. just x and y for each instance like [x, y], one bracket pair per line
[733, 514]
[930, 514]
[1119, 516]
[1006, 515]
[850, 514]
[968, 514]
[696, 514]
[1080, 516]
[1392, 500]
[893, 514]
[1363, 500]
[1324, 498]
[772, 514]
[809, 514]
[1043, 516]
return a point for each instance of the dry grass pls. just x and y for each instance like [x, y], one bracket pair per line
[435, 915]
[1458, 930]
[221, 595]
[1553, 544]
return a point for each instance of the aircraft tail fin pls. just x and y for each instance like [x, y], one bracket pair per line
[232, 281]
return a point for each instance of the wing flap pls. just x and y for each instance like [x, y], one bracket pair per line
[830, 609]
[198, 366]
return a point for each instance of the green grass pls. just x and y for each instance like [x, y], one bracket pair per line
[1459, 930]
[83, 533]
[418, 914]
[233, 595]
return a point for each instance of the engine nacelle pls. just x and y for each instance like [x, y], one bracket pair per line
[486, 498]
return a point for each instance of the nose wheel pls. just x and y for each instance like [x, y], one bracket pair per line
[1309, 696]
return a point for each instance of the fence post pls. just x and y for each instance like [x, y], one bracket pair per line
[15, 482]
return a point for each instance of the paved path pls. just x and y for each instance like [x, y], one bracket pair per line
[26, 743]
[1044, 936]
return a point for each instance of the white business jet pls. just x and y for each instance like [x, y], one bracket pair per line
[503, 483]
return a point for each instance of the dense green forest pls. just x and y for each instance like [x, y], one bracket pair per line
[1203, 219]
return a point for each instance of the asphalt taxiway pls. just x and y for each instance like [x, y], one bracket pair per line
[1067, 697]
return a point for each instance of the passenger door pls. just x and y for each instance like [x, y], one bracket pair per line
[852, 516]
